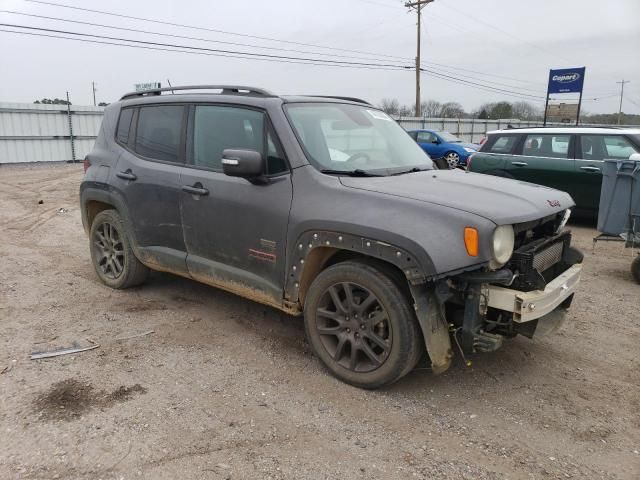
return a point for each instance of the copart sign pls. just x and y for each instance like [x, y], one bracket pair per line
[566, 80]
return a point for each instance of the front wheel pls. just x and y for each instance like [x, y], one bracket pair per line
[361, 325]
[453, 159]
[635, 269]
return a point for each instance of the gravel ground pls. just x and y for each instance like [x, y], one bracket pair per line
[225, 388]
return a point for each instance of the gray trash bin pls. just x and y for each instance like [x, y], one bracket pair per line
[619, 197]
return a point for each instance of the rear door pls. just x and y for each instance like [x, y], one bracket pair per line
[494, 157]
[147, 178]
[235, 231]
[591, 151]
[546, 159]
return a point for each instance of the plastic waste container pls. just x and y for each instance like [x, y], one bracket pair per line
[619, 209]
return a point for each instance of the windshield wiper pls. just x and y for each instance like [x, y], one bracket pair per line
[411, 170]
[352, 173]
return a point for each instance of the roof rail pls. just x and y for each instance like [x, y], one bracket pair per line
[350, 99]
[226, 90]
[582, 125]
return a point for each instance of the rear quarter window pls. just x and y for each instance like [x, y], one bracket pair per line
[501, 144]
[124, 125]
[159, 132]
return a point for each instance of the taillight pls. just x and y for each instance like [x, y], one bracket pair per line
[482, 140]
[86, 164]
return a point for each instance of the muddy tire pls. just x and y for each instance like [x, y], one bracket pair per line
[111, 253]
[361, 325]
[635, 269]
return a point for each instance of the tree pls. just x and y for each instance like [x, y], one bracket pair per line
[525, 111]
[483, 115]
[431, 108]
[390, 106]
[501, 110]
[452, 110]
[406, 111]
[55, 101]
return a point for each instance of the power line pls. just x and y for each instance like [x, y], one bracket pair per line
[172, 35]
[85, 40]
[194, 27]
[187, 37]
[215, 50]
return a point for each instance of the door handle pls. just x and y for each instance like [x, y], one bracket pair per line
[196, 189]
[590, 169]
[128, 175]
[519, 164]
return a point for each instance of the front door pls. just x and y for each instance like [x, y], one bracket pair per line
[235, 231]
[430, 144]
[147, 177]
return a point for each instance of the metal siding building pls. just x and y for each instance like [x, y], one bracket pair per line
[40, 133]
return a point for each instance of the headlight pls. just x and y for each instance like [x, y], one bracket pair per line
[470, 150]
[503, 242]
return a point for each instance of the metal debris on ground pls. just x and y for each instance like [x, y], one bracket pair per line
[62, 210]
[143, 334]
[63, 351]
[6, 369]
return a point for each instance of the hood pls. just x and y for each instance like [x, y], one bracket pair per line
[500, 200]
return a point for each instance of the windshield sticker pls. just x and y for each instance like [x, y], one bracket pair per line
[380, 115]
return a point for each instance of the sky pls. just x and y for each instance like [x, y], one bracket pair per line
[498, 44]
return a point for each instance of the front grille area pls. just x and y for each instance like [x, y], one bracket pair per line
[539, 261]
[547, 258]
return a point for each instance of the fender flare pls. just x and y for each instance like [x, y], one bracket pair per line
[312, 240]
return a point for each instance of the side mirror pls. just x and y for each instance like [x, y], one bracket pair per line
[242, 163]
[635, 157]
[436, 141]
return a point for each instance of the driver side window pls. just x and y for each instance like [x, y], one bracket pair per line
[426, 137]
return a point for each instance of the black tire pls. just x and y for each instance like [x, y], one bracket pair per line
[111, 253]
[635, 269]
[389, 318]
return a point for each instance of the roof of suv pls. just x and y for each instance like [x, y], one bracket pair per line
[579, 129]
[193, 93]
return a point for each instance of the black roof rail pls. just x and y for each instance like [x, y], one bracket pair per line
[226, 90]
[349, 99]
[617, 127]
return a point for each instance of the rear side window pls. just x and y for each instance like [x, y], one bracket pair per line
[599, 147]
[554, 146]
[503, 144]
[159, 132]
[124, 125]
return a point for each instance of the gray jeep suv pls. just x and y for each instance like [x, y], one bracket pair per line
[326, 208]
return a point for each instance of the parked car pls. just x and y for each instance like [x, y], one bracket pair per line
[566, 158]
[439, 144]
[325, 208]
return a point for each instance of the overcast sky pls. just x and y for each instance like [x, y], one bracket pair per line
[507, 44]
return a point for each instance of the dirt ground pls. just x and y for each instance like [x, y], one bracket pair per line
[225, 388]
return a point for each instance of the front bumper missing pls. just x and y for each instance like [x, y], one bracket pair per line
[528, 306]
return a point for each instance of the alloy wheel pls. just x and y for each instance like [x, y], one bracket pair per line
[354, 327]
[109, 250]
[453, 159]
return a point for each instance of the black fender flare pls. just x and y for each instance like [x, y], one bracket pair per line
[311, 240]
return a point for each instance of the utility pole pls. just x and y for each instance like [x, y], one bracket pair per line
[418, 5]
[621, 96]
[93, 86]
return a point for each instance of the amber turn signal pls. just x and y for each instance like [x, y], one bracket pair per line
[471, 241]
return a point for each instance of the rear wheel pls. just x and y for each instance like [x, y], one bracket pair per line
[361, 325]
[111, 252]
[635, 269]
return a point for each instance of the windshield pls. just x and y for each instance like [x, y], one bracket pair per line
[449, 138]
[341, 137]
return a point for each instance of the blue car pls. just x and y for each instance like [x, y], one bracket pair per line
[440, 144]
